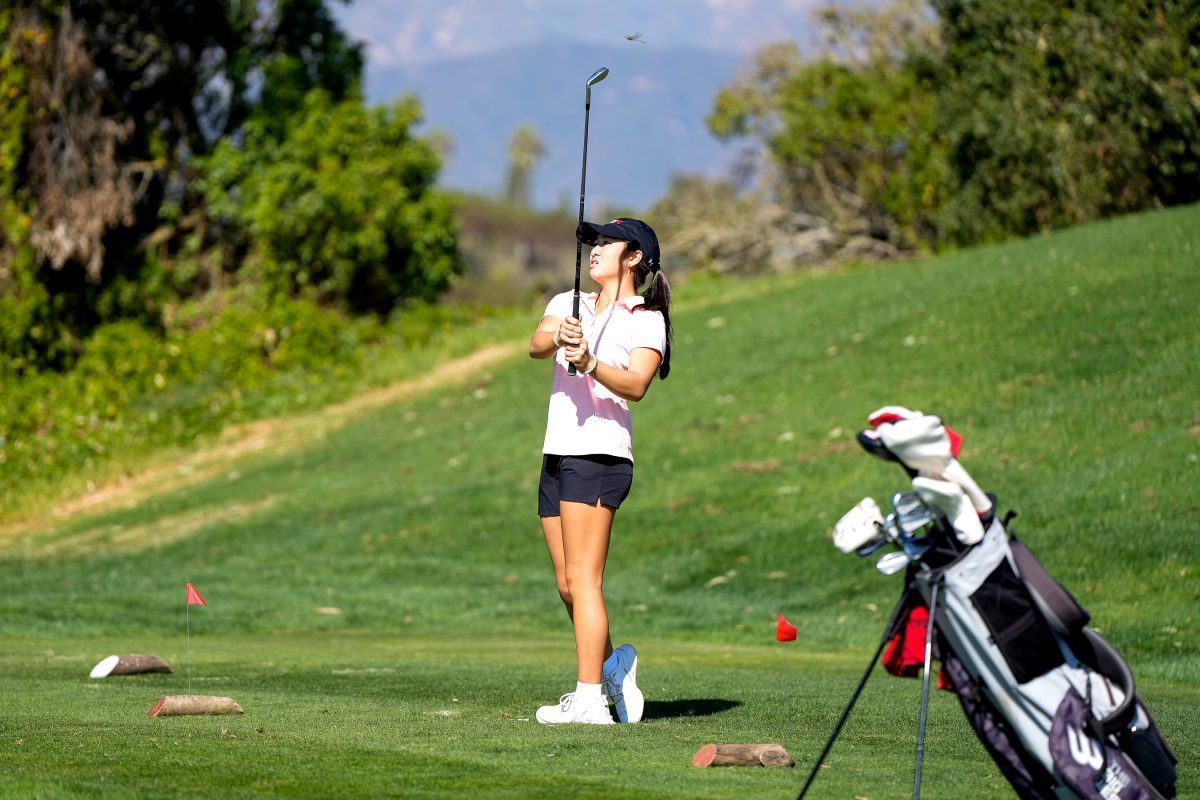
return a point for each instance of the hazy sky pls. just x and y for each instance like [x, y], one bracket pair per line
[404, 31]
[407, 39]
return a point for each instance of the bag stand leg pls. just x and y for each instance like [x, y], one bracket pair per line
[933, 598]
[837, 729]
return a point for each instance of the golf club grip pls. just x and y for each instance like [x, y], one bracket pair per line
[575, 311]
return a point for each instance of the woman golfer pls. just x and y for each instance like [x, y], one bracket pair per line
[617, 345]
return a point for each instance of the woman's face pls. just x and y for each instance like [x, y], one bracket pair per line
[609, 260]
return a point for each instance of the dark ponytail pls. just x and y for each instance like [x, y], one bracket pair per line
[657, 297]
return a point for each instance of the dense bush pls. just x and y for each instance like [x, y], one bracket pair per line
[969, 122]
[225, 359]
[1055, 113]
[342, 210]
[107, 112]
[133, 386]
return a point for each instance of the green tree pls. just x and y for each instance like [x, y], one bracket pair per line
[525, 152]
[968, 122]
[343, 208]
[851, 131]
[1054, 113]
[104, 108]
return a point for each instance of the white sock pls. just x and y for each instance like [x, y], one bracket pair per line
[586, 691]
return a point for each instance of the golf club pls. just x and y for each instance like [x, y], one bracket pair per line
[893, 562]
[592, 80]
[914, 520]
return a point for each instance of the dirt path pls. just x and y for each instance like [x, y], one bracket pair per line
[276, 435]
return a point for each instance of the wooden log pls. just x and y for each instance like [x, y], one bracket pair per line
[178, 705]
[742, 755]
[129, 665]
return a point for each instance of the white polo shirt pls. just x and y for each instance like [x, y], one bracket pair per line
[585, 418]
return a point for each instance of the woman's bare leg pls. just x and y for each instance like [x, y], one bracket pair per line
[552, 530]
[585, 534]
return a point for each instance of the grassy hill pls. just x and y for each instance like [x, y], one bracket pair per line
[380, 601]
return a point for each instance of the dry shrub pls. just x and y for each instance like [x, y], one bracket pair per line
[80, 187]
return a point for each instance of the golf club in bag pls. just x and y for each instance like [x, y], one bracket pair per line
[1053, 703]
[592, 80]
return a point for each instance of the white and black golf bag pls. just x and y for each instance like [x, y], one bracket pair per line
[1054, 704]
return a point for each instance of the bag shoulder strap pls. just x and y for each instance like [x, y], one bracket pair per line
[1062, 610]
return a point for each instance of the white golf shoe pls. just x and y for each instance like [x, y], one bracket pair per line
[568, 710]
[620, 682]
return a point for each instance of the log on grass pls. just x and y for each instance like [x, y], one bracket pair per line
[742, 755]
[178, 705]
[129, 665]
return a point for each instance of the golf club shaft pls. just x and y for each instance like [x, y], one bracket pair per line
[587, 111]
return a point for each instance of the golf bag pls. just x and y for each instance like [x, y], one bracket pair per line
[1053, 703]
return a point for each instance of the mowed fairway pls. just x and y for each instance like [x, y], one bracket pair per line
[380, 603]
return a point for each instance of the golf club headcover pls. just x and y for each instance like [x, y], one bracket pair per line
[921, 443]
[957, 473]
[950, 499]
[896, 413]
[859, 526]
[891, 414]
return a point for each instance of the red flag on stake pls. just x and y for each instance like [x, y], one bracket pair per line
[193, 597]
[784, 630]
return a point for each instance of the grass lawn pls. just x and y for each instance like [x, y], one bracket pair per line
[365, 715]
[381, 605]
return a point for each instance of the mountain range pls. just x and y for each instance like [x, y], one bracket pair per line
[647, 119]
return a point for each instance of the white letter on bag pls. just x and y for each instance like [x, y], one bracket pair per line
[1083, 750]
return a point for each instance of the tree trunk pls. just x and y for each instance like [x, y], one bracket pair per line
[742, 755]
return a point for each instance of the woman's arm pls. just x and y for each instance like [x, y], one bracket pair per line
[567, 331]
[633, 383]
[541, 344]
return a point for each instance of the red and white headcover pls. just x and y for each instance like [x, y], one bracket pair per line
[892, 414]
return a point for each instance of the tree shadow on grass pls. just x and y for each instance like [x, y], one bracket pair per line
[663, 709]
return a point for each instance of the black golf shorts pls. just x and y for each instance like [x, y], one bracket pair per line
[583, 479]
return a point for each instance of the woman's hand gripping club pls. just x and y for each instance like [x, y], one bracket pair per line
[569, 336]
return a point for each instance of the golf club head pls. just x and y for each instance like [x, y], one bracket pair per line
[912, 515]
[893, 562]
[592, 80]
[869, 548]
[891, 531]
[916, 549]
[914, 522]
